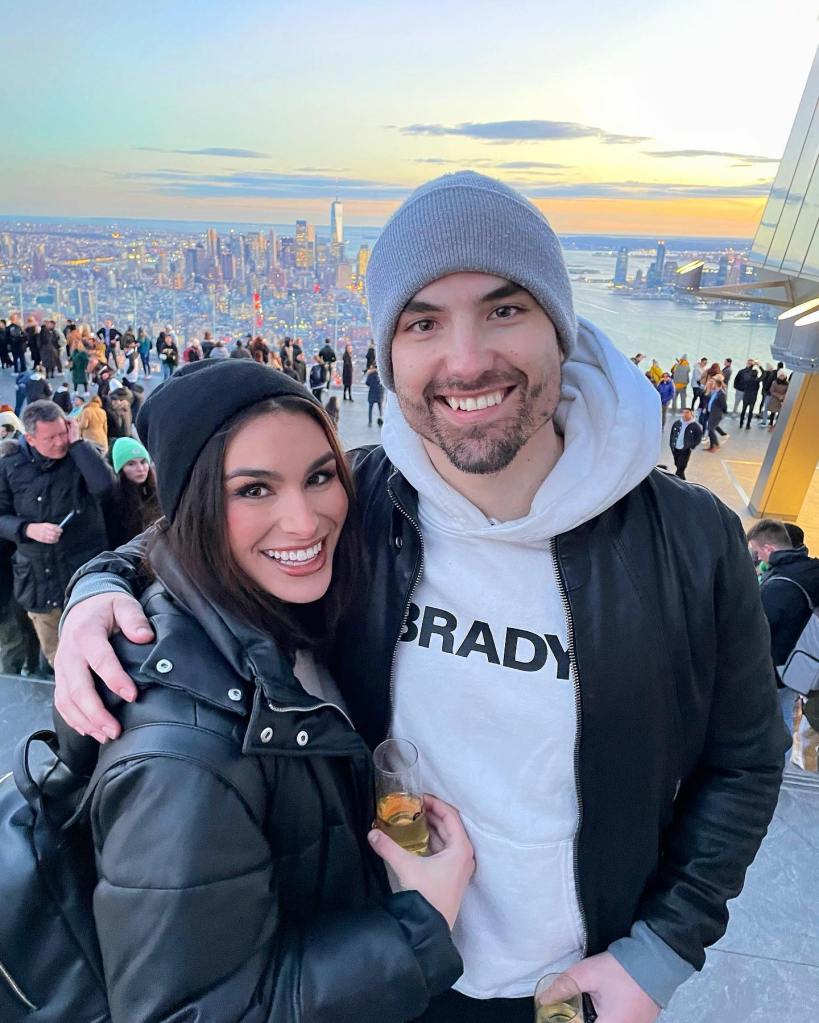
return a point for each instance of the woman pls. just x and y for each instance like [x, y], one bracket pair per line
[144, 348]
[135, 504]
[193, 351]
[776, 397]
[347, 373]
[93, 424]
[212, 903]
[665, 386]
[375, 394]
[168, 355]
[78, 360]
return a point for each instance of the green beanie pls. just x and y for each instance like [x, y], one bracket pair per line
[125, 449]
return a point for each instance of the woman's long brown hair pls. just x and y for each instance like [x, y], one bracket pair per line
[198, 538]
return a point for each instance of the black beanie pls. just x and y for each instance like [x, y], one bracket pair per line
[183, 413]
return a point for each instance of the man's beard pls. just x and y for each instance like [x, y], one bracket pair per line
[482, 449]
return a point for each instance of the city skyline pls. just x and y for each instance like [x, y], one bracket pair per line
[635, 120]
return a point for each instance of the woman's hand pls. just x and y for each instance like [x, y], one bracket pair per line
[442, 876]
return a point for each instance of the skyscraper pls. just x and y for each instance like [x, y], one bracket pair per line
[660, 261]
[38, 263]
[272, 252]
[336, 223]
[213, 243]
[304, 245]
[621, 267]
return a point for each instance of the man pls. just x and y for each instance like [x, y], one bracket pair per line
[789, 590]
[328, 360]
[727, 371]
[317, 377]
[686, 434]
[17, 342]
[681, 375]
[717, 407]
[739, 384]
[520, 541]
[52, 476]
[5, 358]
[110, 336]
[751, 380]
[207, 344]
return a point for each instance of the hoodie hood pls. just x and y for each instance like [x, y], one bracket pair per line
[609, 417]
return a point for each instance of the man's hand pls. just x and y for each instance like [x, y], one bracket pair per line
[616, 996]
[43, 532]
[73, 428]
[84, 648]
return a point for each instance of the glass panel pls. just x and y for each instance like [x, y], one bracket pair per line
[796, 194]
[760, 251]
[805, 227]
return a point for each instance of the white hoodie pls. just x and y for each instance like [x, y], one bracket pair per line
[483, 683]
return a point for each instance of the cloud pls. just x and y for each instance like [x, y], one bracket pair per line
[240, 154]
[746, 158]
[522, 131]
[644, 190]
[321, 170]
[514, 165]
[263, 184]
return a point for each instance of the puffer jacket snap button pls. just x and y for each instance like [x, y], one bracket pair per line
[302, 738]
[235, 695]
[164, 666]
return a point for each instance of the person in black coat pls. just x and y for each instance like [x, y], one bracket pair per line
[5, 358]
[244, 872]
[717, 407]
[328, 360]
[751, 382]
[686, 435]
[790, 585]
[17, 342]
[53, 475]
[347, 373]
[33, 340]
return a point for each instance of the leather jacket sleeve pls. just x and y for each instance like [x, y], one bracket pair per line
[724, 807]
[189, 927]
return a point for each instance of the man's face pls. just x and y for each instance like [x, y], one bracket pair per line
[50, 439]
[749, 364]
[687, 415]
[476, 364]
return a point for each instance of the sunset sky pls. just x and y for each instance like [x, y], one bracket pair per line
[635, 117]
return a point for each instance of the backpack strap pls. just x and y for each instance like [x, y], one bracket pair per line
[209, 750]
[787, 579]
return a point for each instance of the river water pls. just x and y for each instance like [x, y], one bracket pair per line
[663, 330]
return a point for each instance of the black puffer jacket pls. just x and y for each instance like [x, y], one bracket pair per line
[214, 905]
[786, 606]
[681, 744]
[35, 489]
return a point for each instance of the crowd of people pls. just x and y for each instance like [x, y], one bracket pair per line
[472, 584]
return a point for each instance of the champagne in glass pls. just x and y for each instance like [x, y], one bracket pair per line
[558, 1000]
[399, 796]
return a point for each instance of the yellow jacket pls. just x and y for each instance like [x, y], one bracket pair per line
[94, 423]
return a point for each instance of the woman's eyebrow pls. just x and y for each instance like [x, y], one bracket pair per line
[271, 474]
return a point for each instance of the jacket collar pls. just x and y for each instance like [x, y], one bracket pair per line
[788, 557]
[253, 655]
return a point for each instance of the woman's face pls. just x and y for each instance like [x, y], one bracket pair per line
[136, 470]
[286, 505]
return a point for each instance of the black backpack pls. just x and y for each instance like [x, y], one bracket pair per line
[50, 963]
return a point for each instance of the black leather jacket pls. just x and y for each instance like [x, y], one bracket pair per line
[261, 904]
[681, 745]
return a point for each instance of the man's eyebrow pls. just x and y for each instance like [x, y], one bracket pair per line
[504, 291]
[417, 306]
[271, 474]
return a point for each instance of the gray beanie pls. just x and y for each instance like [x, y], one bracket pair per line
[465, 222]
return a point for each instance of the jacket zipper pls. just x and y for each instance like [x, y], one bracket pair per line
[409, 596]
[15, 987]
[564, 596]
[316, 706]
